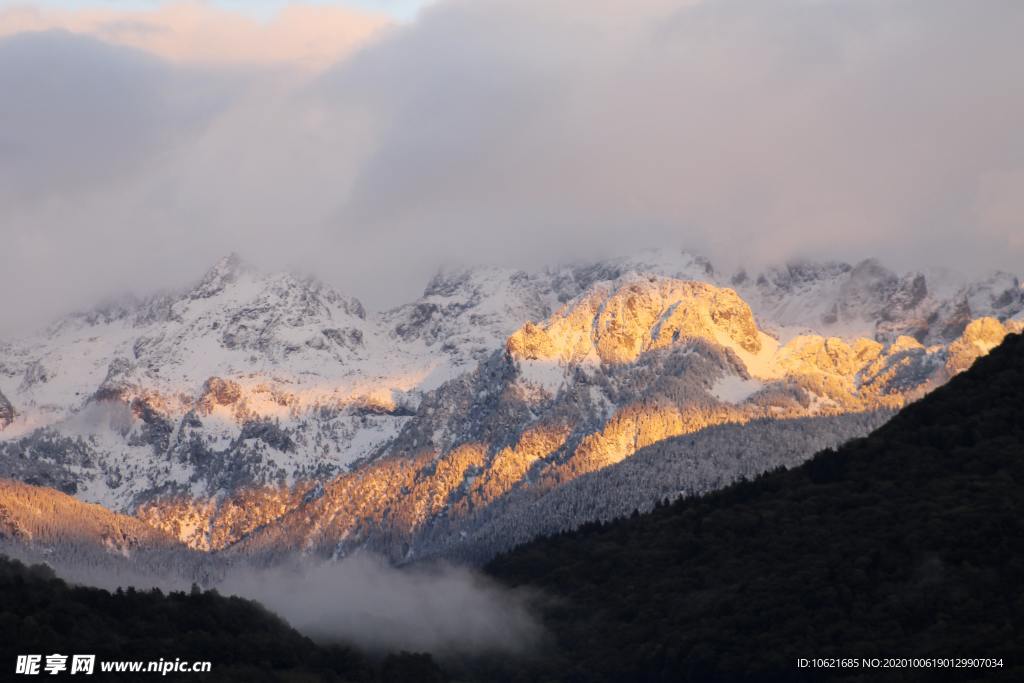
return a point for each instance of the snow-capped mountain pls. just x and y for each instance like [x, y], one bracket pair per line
[625, 365]
[268, 413]
[869, 300]
[245, 378]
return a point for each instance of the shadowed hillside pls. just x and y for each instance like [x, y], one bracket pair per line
[907, 543]
[40, 614]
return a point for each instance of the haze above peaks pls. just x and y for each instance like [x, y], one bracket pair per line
[519, 133]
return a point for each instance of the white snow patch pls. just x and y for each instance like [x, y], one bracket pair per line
[735, 389]
[545, 375]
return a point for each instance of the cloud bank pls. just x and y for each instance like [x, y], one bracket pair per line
[361, 600]
[517, 132]
[444, 610]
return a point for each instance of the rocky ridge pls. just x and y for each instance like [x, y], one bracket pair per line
[625, 365]
[271, 414]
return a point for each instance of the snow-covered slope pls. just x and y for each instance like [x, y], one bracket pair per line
[627, 364]
[464, 315]
[245, 378]
[271, 413]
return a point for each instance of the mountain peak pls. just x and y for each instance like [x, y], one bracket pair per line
[616, 322]
[226, 271]
[450, 282]
[572, 279]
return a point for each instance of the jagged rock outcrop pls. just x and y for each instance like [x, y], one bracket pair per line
[218, 392]
[616, 323]
[7, 413]
[224, 273]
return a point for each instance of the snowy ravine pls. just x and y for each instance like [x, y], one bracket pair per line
[267, 413]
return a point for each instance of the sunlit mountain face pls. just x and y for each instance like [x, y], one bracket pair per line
[267, 415]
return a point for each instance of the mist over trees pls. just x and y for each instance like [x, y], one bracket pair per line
[41, 614]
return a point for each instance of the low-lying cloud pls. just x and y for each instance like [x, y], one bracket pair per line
[362, 600]
[521, 133]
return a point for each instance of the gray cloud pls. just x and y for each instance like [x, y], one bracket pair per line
[523, 133]
[57, 87]
[753, 130]
[113, 165]
[362, 600]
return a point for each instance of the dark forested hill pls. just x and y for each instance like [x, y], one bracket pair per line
[907, 543]
[42, 615]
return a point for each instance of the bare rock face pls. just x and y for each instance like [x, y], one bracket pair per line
[218, 392]
[6, 412]
[617, 322]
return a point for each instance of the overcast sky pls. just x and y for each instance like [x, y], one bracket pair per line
[259, 9]
[371, 142]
